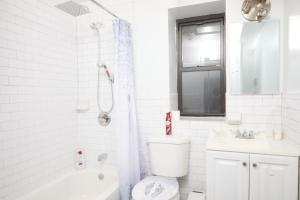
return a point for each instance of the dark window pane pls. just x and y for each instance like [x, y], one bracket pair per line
[215, 97]
[201, 73]
[202, 92]
[201, 44]
[193, 92]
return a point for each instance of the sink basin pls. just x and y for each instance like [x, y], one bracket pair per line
[238, 139]
[236, 134]
[256, 142]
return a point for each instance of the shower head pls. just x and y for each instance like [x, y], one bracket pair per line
[73, 8]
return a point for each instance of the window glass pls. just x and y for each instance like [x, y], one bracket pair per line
[201, 72]
[201, 45]
[201, 92]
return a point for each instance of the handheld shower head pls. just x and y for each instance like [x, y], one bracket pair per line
[107, 72]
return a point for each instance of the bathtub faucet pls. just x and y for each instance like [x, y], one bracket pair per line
[102, 157]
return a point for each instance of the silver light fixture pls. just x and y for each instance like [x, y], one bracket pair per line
[256, 10]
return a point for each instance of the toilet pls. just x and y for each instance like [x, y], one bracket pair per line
[169, 158]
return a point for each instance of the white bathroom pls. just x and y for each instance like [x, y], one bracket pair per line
[107, 99]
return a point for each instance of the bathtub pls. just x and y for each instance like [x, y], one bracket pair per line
[80, 185]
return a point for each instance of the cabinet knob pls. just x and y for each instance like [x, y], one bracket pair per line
[254, 165]
[244, 164]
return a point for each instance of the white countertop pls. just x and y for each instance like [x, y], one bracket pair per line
[224, 140]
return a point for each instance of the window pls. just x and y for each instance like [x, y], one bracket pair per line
[201, 66]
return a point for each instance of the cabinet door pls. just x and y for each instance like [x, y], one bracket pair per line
[227, 176]
[273, 177]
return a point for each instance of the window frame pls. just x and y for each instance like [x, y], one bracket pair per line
[221, 67]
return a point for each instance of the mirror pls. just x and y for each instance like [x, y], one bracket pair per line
[254, 58]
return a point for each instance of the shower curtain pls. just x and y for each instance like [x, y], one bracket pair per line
[128, 141]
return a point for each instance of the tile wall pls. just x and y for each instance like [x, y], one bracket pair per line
[38, 70]
[291, 116]
[93, 138]
[261, 112]
[38, 123]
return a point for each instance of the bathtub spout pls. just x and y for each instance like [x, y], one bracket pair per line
[102, 157]
[101, 176]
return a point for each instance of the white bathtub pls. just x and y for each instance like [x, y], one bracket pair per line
[80, 185]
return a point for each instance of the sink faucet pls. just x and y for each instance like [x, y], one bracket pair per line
[245, 134]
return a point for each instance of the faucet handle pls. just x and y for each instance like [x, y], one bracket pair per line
[245, 134]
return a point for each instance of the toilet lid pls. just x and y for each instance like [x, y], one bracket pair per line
[155, 188]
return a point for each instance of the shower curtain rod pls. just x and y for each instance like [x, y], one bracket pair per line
[105, 9]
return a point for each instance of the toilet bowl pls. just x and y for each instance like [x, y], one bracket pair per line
[169, 158]
[156, 188]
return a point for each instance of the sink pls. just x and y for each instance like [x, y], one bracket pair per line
[237, 139]
[234, 140]
[232, 134]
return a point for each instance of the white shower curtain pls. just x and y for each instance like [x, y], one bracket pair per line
[128, 141]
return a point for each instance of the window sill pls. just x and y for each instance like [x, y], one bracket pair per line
[190, 118]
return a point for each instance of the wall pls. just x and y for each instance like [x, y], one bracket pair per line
[38, 85]
[291, 103]
[92, 137]
[151, 28]
[37, 95]
[293, 45]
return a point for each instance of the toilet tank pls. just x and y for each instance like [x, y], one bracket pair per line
[169, 156]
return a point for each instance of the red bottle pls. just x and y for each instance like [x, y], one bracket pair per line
[168, 123]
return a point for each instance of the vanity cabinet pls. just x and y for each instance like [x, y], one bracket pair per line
[227, 176]
[273, 177]
[246, 176]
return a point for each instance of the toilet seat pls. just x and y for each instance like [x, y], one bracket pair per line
[156, 188]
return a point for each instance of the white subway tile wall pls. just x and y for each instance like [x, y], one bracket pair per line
[291, 116]
[38, 123]
[260, 112]
[94, 138]
[37, 95]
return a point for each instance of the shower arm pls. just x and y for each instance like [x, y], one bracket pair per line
[105, 9]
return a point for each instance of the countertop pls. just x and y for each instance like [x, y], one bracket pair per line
[224, 140]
